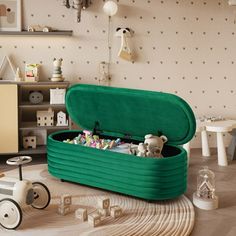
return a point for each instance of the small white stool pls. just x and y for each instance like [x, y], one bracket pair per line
[218, 127]
[200, 128]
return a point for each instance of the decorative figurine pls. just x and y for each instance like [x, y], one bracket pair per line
[205, 197]
[39, 28]
[18, 77]
[57, 96]
[32, 72]
[35, 97]
[61, 119]
[57, 72]
[45, 118]
[29, 142]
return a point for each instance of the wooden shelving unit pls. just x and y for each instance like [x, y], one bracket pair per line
[41, 105]
[33, 126]
[27, 33]
[39, 150]
[27, 121]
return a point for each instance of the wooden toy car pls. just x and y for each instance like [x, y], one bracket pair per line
[16, 194]
[39, 28]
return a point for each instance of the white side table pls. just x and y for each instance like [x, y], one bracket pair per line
[205, 145]
[220, 127]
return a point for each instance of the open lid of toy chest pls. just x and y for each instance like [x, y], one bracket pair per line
[122, 112]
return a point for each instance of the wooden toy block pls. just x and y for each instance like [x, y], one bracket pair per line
[104, 203]
[66, 199]
[104, 212]
[63, 210]
[81, 214]
[29, 142]
[94, 219]
[116, 211]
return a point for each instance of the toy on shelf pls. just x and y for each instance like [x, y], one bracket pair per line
[61, 119]
[31, 72]
[205, 197]
[18, 77]
[16, 194]
[35, 97]
[57, 96]
[65, 203]
[29, 142]
[39, 28]
[45, 118]
[57, 72]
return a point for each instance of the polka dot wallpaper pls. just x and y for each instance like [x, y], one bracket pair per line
[184, 47]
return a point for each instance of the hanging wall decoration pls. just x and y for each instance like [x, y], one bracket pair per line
[78, 5]
[125, 51]
[10, 15]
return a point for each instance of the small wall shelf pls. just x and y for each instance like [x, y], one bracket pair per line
[27, 33]
[33, 126]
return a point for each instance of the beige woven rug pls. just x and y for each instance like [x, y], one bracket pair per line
[139, 218]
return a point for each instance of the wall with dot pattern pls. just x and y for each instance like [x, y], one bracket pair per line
[184, 47]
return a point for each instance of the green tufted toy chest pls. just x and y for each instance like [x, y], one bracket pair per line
[130, 115]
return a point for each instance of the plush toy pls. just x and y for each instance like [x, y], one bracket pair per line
[142, 150]
[132, 149]
[154, 145]
[35, 97]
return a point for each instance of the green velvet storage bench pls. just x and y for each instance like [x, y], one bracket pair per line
[130, 115]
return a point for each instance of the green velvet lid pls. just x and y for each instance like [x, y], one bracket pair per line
[128, 112]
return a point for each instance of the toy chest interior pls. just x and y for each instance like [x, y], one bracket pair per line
[130, 115]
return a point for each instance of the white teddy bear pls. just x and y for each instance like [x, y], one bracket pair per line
[154, 145]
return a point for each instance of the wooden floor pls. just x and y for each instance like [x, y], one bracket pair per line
[220, 222]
